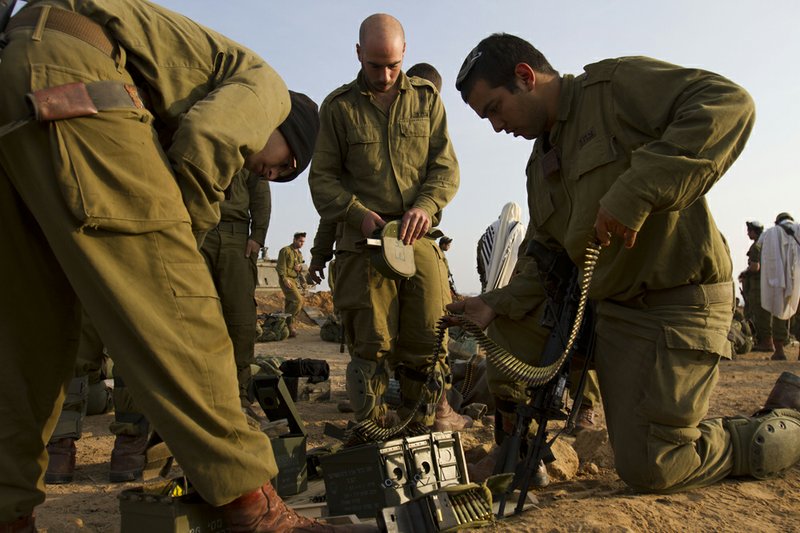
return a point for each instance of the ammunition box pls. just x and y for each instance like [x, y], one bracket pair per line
[140, 511]
[364, 479]
[290, 449]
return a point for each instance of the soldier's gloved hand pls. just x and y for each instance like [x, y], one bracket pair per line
[415, 225]
[316, 273]
[370, 223]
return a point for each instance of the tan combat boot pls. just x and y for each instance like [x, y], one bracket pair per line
[263, 511]
[447, 419]
[585, 419]
[23, 524]
[779, 354]
[61, 467]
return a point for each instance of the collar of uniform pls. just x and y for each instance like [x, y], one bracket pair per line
[565, 97]
[405, 84]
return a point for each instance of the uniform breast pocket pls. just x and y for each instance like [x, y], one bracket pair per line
[364, 142]
[595, 154]
[415, 138]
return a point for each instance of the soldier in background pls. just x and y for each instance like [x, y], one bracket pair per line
[88, 181]
[390, 324]
[289, 267]
[230, 251]
[751, 287]
[444, 245]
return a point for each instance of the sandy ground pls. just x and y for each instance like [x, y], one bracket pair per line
[593, 499]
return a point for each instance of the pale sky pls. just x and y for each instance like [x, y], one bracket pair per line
[311, 43]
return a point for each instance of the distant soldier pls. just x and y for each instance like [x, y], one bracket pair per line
[290, 265]
[780, 278]
[444, 245]
[751, 286]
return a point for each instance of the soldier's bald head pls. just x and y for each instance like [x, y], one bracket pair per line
[380, 27]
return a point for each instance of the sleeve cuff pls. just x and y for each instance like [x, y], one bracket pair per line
[625, 206]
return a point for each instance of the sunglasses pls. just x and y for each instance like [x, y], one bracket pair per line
[466, 68]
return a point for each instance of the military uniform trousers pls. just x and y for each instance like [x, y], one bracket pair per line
[392, 322]
[293, 298]
[235, 277]
[767, 326]
[658, 367]
[517, 337]
[149, 291]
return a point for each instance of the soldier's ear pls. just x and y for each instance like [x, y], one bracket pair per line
[526, 75]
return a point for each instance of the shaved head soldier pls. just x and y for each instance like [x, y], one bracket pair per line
[390, 324]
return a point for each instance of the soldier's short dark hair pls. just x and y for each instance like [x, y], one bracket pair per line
[428, 72]
[494, 60]
[299, 234]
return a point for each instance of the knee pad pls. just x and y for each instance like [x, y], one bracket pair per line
[100, 399]
[766, 446]
[366, 382]
[70, 422]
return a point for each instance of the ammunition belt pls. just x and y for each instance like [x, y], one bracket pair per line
[506, 362]
[511, 365]
[69, 22]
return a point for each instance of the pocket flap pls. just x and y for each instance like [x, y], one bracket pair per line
[695, 338]
[597, 152]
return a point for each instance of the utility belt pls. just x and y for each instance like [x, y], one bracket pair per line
[234, 226]
[76, 99]
[69, 22]
[685, 295]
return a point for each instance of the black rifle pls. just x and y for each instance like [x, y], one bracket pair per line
[561, 280]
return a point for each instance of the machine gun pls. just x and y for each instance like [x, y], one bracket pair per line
[565, 290]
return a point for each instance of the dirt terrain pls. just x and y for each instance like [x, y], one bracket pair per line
[593, 499]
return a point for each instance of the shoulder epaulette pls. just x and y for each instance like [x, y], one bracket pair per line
[339, 91]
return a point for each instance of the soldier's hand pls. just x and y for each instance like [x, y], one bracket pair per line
[252, 247]
[370, 223]
[316, 273]
[415, 225]
[606, 225]
[475, 310]
[298, 268]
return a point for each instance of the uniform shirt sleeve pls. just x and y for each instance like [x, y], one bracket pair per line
[260, 207]
[283, 265]
[332, 200]
[324, 239]
[220, 100]
[442, 177]
[700, 121]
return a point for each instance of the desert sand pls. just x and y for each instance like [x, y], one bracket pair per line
[591, 498]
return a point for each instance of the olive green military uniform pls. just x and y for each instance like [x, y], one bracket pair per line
[244, 217]
[288, 259]
[369, 160]
[117, 211]
[637, 137]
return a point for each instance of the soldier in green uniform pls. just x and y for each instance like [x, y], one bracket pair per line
[230, 251]
[624, 154]
[88, 182]
[289, 267]
[384, 154]
[325, 237]
[751, 279]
